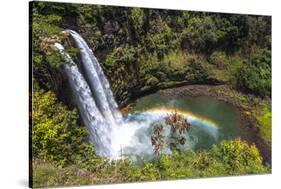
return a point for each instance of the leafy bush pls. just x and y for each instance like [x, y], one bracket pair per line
[238, 157]
[121, 56]
[219, 59]
[46, 59]
[255, 76]
[200, 35]
[136, 21]
[196, 71]
[56, 135]
[122, 70]
[151, 81]
[265, 122]
[229, 158]
[162, 42]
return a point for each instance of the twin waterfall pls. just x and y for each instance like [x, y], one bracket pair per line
[113, 135]
[93, 97]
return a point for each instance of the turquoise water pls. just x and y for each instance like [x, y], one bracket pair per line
[221, 120]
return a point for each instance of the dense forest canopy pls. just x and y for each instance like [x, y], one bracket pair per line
[134, 42]
[143, 50]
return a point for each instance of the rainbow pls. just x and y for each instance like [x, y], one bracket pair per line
[189, 115]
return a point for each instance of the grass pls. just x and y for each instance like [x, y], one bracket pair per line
[46, 174]
[265, 122]
[229, 70]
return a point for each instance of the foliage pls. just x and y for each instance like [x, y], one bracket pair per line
[136, 22]
[229, 158]
[219, 59]
[45, 58]
[144, 46]
[45, 32]
[120, 63]
[163, 42]
[256, 75]
[201, 34]
[121, 56]
[238, 157]
[56, 135]
[151, 81]
[265, 121]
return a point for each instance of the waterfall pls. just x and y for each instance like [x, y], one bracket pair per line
[97, 109]
[97, 81]
[112, 136]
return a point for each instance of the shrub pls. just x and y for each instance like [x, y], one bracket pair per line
[200, 35]
[56, 135]
[136, 21]
[238, 157]
[219, 59]
[265, 122]
[255, 76]
[162, 42]
[151, 81]
[122, 56]
[196, 73]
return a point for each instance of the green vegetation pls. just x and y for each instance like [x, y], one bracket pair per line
[142, 50]
[264, 119]
[152, 49]
[56, 135]
[256, 75]
[229, 158]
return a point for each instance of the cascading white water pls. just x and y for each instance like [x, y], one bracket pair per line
[112, 135]
[94, 99]
[97, 81]
[87, 107]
